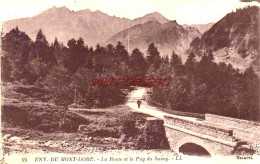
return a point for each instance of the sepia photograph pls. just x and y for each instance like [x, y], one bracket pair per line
[130, 81]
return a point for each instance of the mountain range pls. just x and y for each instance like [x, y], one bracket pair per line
[94, 27]
[97, 27]
[234, 39]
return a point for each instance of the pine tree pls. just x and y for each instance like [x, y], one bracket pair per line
[59, 80]
[57, 52]
[121, 60]
[71, 43]
[152, 52]
[42, 49]
[249, 73]
[56, 44]
[110, 49]
[6, 69]
[137, 63]
[98, 59]
[157, 61]
[121, 53]
[190, 63]
[175, 60]
[77, 54]
[15, 47]
[165, 60]
[40, 37]
[206, 70]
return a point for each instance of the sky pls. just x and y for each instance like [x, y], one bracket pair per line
[184, 11]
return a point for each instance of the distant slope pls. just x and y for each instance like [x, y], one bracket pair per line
[201, 27]
[64, 24]
[234, 39]
[167, 37]
[93, 27]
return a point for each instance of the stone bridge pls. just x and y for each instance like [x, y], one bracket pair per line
[209, 134]
[212, 136]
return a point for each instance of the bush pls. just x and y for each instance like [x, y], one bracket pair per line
[70, 122]
[44, 118]
[153, 136]
[131, 125]
[146, 135]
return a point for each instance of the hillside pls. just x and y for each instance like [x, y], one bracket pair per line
[167, 37]
[31, 123]
[94, 27]
[234, 39]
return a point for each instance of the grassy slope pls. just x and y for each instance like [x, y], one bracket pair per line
[41, 126]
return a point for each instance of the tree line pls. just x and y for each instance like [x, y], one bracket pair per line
[67, 71]
[206, 87]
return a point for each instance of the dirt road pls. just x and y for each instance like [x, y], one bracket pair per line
[140, 94]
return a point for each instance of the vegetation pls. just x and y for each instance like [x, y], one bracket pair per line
[232, 31]
[67, 71]
[206, 87]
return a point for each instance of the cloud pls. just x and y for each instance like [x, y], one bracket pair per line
[249, 1]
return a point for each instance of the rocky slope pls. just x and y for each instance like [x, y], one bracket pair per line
[234, 39]
[201, 27]
[167, 37]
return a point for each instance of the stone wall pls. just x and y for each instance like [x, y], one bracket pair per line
[244, 130]
[233, 122]
[200, 127]
[249, 136]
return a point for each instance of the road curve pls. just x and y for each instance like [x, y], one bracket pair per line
[140, 93]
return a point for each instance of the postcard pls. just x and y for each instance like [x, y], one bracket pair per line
[130, 81]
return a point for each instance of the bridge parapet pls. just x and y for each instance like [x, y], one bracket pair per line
[200, 127]
[242, 129]
[233, 122]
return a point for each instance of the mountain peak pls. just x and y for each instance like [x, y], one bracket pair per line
[155, 13]
[155, 16]
[59, 8]
[172, 23]
[64, 8]
[55, 9]
[158, 16]
[84, 11]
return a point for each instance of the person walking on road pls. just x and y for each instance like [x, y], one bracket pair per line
[139, 102]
